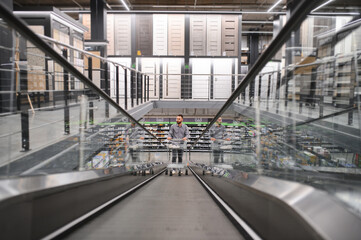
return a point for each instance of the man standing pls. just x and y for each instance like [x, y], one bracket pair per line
[217, 134]
[178, 131]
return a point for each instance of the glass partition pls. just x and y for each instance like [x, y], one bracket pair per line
[52, 122]
[299, 118]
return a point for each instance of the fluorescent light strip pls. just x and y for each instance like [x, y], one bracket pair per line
[321, 6]
[279, 1]
[125, 5]
[330, 14]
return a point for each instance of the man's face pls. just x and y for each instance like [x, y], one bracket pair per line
[219, 121]
[179, 119]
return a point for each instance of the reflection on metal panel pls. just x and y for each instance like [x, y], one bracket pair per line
[214, 35]
[198, 35]
[122, 34]
[160, 37]
[229, 35]
[222, 84]
[200, 83]
[110, 34]
[172, 83]
[176, 34]
[150, 66]
[144, 34]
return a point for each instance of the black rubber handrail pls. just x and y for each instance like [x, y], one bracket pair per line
[297, 17]
[21, 27]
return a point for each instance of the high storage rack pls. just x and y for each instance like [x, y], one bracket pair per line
[51, 22]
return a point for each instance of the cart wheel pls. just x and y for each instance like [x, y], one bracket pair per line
[166, 172]
[179, 173]
[186, 171]
[171, 173]
[204, 172]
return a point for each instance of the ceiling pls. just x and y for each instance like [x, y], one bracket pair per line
[257, 7]
[199, 5]
[211, 5]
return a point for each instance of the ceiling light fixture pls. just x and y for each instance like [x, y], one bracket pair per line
[125, 5]
[278, 2]
[322, 5]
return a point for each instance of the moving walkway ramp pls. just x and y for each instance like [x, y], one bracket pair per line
[166, 208]
[290, 169]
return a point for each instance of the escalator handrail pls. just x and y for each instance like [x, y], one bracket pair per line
[295, 20]
[21, 27]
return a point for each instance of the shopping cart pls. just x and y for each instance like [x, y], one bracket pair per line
[133, 161]
[177, 147]
[217, 164]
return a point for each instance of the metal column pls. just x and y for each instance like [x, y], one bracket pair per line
[125, 89]
[117, 83]
[141, 87]
[91, 104]
[66, 95]
[106, 86]
[148, 88]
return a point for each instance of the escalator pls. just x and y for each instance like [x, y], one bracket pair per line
[273, 187]
[166, 208]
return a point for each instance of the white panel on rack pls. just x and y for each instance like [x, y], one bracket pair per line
[222, 85]
[160, 34]
[110, 34]
[122, 34]
[198, 35]
[150, 66]
[214, 35]
[200, 83]
[125, 62]
[172, 69]
[229, 35]
[176, 34]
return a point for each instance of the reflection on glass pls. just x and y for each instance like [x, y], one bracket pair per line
[299, 119]
[52, 122]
